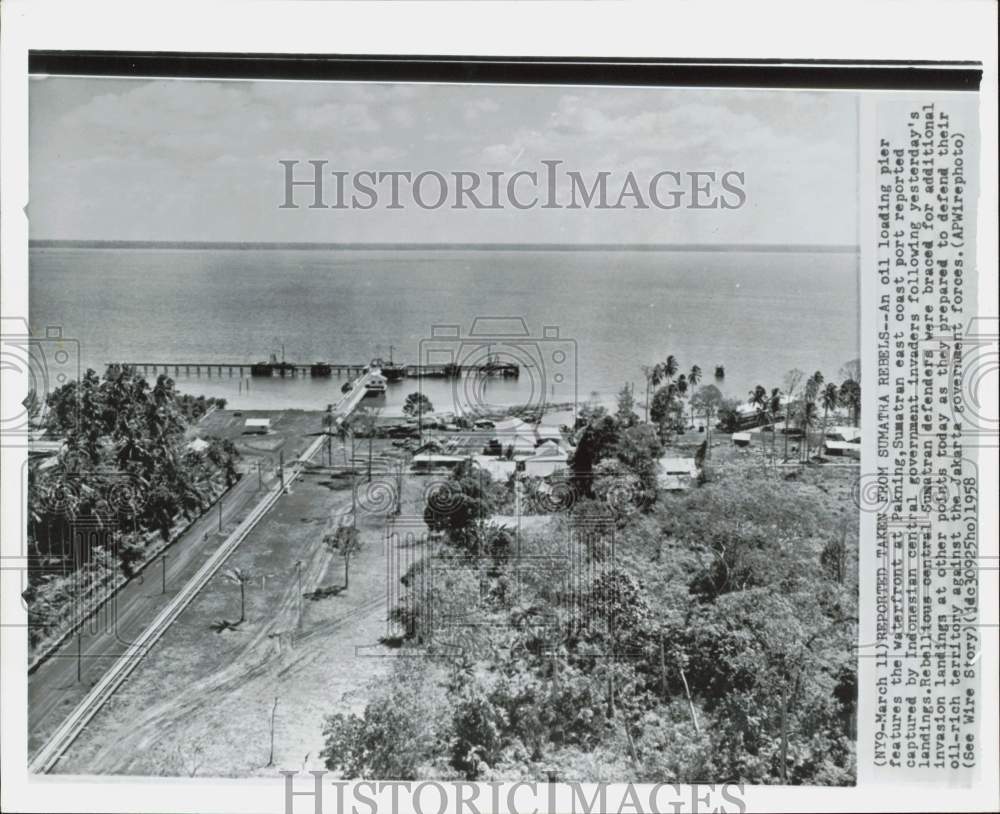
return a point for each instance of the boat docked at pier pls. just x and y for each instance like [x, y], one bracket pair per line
[393, 371]
[376, 383]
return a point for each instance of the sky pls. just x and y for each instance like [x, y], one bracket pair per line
[181, 159]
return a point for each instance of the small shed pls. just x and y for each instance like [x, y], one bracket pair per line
[845, 433]
[258, 426]
[429, 461]
[843, 449]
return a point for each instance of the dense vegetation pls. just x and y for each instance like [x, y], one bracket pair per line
[707, 635]
[125, 466]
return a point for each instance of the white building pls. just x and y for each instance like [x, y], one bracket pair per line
[842, 441]
[499, 469]
[676, 474]
[428, 461]
[259, 426]
[845, 433]
[547, 459]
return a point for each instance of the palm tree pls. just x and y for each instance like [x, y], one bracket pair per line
[707, 398]
[774, 407]
[664, 407]
[694, 378]
[830, 398]
[808, 421]
[850, 397]
[809, 407]
[758, 399]
[653, 375]
[792, 379]
[681, 389]
[241, 578]
[133, 445]
[670, 367]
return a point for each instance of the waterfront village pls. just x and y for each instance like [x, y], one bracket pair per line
[658, 587]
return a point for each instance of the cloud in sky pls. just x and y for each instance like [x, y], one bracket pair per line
[198, 160]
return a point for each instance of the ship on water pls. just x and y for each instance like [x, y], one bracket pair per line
[392, 371]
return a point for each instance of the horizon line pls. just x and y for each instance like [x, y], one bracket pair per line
[246, 245]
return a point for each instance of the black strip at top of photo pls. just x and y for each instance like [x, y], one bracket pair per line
[733, 73]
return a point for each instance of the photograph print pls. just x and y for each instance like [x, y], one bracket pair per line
[456, 431]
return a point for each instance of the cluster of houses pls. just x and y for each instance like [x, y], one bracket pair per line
[840, 441]
[513, 445]
[516, 447]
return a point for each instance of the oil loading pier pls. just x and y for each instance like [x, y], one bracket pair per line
[491, 367]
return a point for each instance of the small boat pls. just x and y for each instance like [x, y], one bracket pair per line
[375, 386]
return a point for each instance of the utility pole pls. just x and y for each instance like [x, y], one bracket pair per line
[163, 559]
[687, 692]
[281, 468]
[220, 514]
[260, 475]
[354, 486]
[79, 652]
[784, 733]
[298, 578]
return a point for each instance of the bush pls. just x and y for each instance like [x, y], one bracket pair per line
[404, 728]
